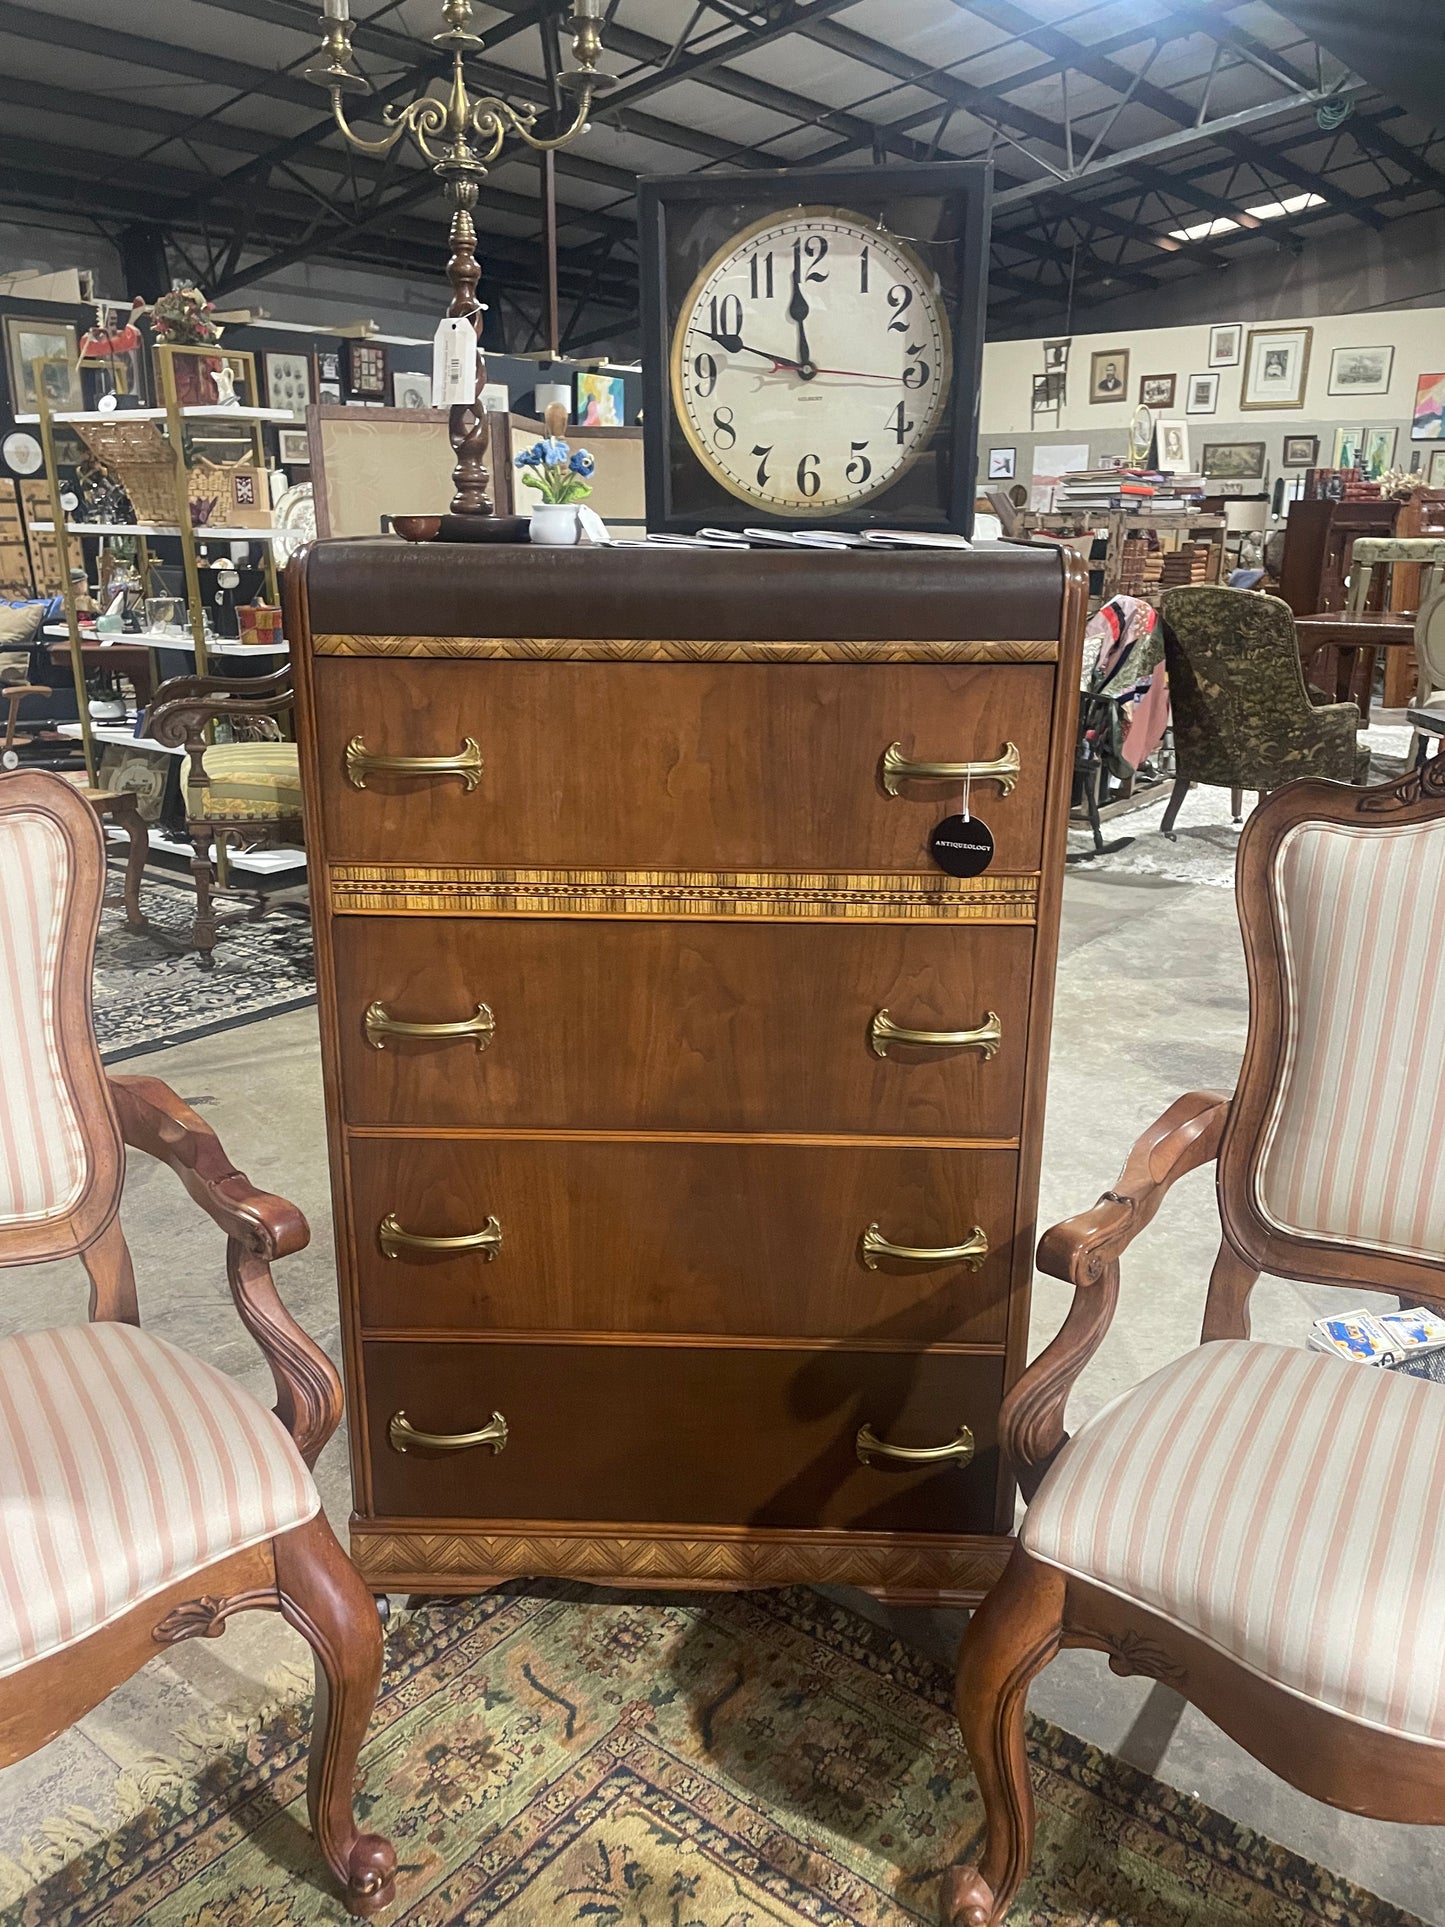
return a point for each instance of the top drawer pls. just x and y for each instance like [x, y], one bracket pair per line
[690, 766]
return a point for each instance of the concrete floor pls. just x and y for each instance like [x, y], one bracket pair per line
[1151, 1003]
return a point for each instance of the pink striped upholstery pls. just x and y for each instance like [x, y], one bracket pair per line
[1287, 1507]
[1354, 1147]
[43, 1160]
[126, 1465]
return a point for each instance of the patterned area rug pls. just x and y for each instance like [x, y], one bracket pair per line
[586, 1759]
[149, 994]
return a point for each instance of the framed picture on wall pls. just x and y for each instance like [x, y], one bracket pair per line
[1427, 422]
[1435, 474]
[292, 447]
[1361, 371]
[1157, 391]
[288, 383]
[1201, 395]
[1349, 441]
[1379, 451]
[1001, 464]
[1301, 451]
[1276, 365]
[366, 369]
[1224, 344]
[1233, 461]
[1109, 375]
[409, 390]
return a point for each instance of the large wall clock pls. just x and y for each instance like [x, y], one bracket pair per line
[812, 345]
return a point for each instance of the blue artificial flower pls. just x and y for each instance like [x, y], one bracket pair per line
[530, 457]
[582, 463]
[553, 453]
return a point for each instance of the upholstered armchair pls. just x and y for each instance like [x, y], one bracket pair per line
[242, 789]
[147, 1497]
[1243, 718]
[1260, 1526]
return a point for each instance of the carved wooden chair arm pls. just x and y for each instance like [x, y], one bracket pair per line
[1085, 1251]
[258, 1228]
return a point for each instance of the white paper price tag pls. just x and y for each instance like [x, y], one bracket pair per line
[454, 363]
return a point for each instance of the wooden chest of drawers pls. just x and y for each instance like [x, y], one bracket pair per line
[622, 894]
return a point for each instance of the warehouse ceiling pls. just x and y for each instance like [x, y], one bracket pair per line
[1134, 142]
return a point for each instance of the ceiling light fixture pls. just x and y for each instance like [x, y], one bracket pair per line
[1266, 211]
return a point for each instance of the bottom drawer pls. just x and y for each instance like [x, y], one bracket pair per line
[686, 1434]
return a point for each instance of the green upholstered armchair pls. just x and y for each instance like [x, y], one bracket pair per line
[1243, 717]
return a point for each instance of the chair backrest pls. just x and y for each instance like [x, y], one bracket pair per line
[61, 1157]
[1430, 645]
[1235, 680]
[1371, 552]
[1333, 1165]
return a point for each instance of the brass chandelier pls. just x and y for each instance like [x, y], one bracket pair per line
[459, 135]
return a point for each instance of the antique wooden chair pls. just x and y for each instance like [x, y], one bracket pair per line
[147, 1497]
[1260, 1526]
[250, 790]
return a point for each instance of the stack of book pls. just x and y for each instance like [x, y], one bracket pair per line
[1154, 491]
[1339, 485]
[1190, 562]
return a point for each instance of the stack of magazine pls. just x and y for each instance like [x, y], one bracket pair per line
[1405, 1341]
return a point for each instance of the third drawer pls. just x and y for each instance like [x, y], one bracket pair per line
[734, 1238]
[602, 1025]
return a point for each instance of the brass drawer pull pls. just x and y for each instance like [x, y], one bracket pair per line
[379, 1026]
[898, 769]
[883, 1031]
[404, 1435]
[971, 1252]
[467, 764]
[958, 1451]
[395, 1241]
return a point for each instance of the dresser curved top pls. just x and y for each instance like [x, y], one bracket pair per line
[999, 602]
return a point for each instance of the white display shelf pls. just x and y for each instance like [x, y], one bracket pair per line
[159, 639]
[120, 733]
[260, 862]
[208, 411]
[206, 533]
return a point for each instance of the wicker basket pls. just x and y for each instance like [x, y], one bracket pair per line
[141, 456]
[238, 492]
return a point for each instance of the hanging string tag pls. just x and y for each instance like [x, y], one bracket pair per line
[454, 363]
[967, 791]
[962, 845]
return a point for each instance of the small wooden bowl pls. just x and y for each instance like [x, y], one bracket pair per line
[417, 528]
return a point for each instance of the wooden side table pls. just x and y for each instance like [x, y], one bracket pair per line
[1352, 641]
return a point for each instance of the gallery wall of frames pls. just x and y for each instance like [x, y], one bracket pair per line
[1246, 403]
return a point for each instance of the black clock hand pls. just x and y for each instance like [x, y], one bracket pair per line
[798, 310]
[735, 345]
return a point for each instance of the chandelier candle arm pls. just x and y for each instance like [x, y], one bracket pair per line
[459, 136]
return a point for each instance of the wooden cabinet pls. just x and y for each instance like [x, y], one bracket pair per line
[684, 1117]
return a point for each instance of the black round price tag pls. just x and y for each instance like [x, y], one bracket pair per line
[961, 845]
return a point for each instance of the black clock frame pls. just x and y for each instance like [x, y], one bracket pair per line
[962, 188]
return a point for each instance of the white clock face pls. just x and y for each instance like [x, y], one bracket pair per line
[811, 362]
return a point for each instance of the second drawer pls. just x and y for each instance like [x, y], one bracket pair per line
[605, 1026]
[743, 1239]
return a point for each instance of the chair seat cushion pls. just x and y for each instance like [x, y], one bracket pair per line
[1285, 1506]
[127, 1465]
[258, 781]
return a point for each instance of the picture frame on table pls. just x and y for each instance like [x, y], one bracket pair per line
[1361, 371]
[1157, 391]
[1301, 451]
[288, 383]
[1233, 461]
[1201, 394]
[1435, 472]
[1276, 368]
[56, 345]
[328, 391]
[1225, 344]
[1002, 464]
[1171, 439]
[410, 389]
[1109, 375]
[293, 448]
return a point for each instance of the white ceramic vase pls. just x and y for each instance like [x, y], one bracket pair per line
[554, 524]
